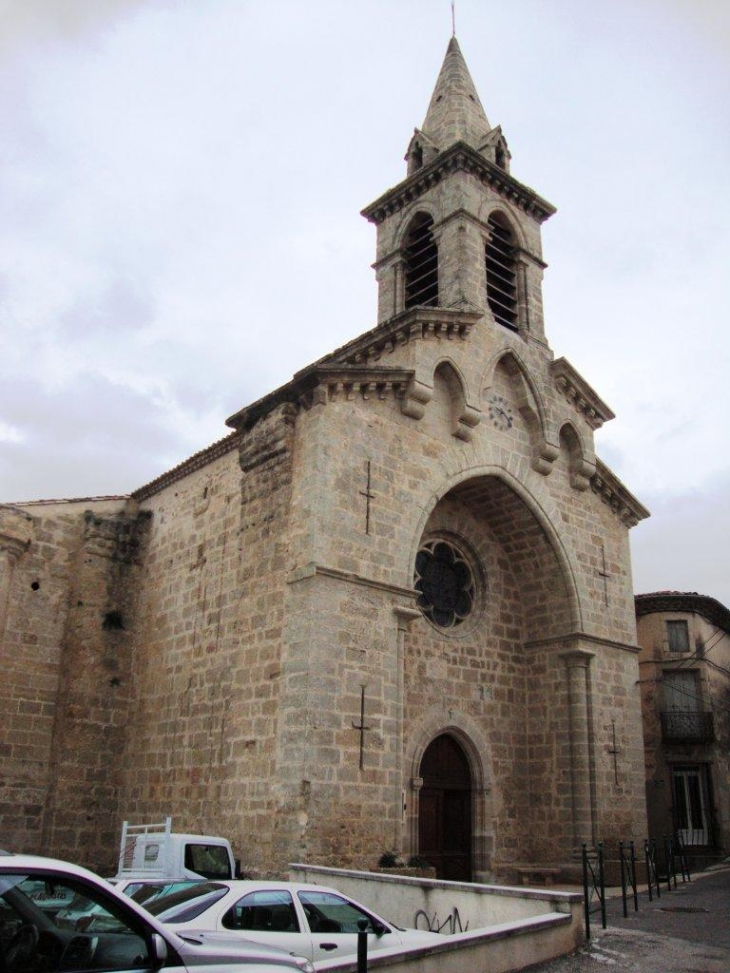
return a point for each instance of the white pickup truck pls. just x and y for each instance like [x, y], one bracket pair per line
[154, 853]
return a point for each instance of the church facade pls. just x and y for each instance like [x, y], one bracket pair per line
[392, 609]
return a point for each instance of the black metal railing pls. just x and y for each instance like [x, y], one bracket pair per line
[593, 885]
[664, 861]
[686, 726]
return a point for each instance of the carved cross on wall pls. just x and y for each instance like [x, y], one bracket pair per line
[368, 497]
[603, 573]
[361, 726]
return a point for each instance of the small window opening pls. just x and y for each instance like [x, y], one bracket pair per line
[421, 253]
[678, 636]
[416, 157]
[501, 273]
[499, 157]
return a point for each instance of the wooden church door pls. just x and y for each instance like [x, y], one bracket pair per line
[444, 816]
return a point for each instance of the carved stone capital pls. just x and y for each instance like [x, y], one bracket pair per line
[544, 456]
[406, 615]
[466, 423]
[580, 477]
[416, 398]
[577, 658]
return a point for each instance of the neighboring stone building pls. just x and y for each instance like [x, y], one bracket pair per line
[392, 609]
[685, 695]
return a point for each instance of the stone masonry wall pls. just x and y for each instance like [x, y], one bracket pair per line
[35, 648]
[93, 704]
[208, 635]
[412, 464]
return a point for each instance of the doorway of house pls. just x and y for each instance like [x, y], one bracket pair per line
[444, 817]
[690, 804]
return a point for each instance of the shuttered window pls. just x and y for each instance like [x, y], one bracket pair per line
[421, 256]
[680, 691]
[501, 273]
[678, 636]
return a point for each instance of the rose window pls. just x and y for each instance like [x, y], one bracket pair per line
[445, 584]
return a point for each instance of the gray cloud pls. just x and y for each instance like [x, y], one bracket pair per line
[685, 545]
[113, 435]
[180, 185]
[32, 22]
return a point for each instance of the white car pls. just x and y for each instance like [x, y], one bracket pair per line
[77, 912]
[310, 920]
[127, 939]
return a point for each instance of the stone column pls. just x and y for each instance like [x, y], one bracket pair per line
[404, 617]
[399, 285]
[414, 803]
[577, 663]
[523, 304]
[15, 530]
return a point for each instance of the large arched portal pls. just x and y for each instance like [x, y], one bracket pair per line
[498, 610]
[444, 817]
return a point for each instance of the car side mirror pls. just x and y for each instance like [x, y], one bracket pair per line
[159, 949]
[378, 928]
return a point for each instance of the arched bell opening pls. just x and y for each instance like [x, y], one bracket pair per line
[421, 263]
[501, 262]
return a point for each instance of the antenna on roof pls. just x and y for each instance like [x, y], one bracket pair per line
[453, 18]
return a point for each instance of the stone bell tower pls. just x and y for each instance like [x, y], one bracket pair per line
[460, 232]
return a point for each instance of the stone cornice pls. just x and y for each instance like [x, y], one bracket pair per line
[414, 324]
[573, 642]
[312, 570]
[459, 157]
[580, 394]
[347, 381]
[684, 601]
[611, 490]
[411, 325]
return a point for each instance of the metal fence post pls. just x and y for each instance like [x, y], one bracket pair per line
[362, 946]
[633, 876]
[683, 861]
[602, 884]
[586, 903]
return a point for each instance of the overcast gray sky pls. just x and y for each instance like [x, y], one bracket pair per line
[180, 184]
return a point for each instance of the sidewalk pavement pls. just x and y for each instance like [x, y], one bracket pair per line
[686, 930]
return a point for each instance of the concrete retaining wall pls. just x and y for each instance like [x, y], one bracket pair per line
[503, 928]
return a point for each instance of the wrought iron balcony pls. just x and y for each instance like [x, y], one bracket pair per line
[686, 726]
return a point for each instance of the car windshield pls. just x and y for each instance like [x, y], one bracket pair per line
[210, 861]
[144, 892]
[185, 904]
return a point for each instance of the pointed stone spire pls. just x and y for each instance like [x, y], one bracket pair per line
[455, 112]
